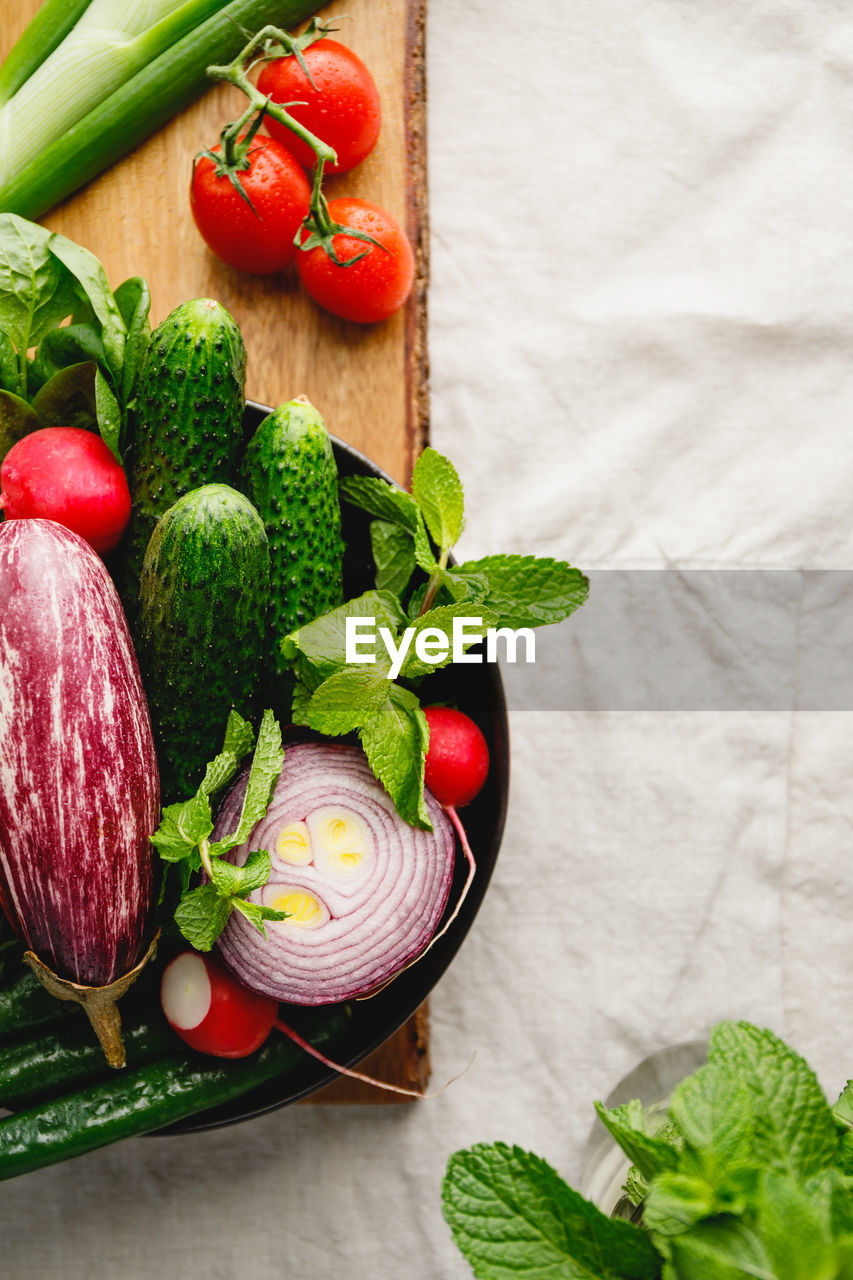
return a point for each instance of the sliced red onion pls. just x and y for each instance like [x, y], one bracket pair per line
[365, 891]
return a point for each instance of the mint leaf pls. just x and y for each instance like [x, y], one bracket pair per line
[720, 1249]
[347, 700]
[630, 1126]
[794, 1129]
[452, 587]
[438, 492]
[514, 1218]
[319, 649]
[676, 1201]
[529, 591]
[239, 736]
[231, 880]
[395, 743]
[256, 912]
[424, 557]
[381, 499]
[843, 1109]
[201, 915]
[713, 1110]
[795, 1231]
[182, 827]
[264, 771]
[441, 619]
[393, 555]
[299, 701]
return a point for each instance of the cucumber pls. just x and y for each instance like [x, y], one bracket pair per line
[289, 473]
[188, 424]
[70, 1057]
[203, 598]
[136, 1102]
[25, 1004]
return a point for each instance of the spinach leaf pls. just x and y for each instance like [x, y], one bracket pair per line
[134, 302]
[36, 292]
[91, 278]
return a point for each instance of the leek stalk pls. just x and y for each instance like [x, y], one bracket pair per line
[48, 28]
[146, 102]
[113, 40]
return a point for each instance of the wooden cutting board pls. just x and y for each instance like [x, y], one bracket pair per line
[369, 382]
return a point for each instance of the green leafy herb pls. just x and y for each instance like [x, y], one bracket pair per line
[183, 837]
[437, 490]
[382, 500]
[528, 591]
[364, 697]
[748, 1177]
[82, 373]
[514, 1218]
[394, 556]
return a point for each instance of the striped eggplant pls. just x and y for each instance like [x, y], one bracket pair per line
[79, 794]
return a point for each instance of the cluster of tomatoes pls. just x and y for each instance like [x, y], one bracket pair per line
[255, 223]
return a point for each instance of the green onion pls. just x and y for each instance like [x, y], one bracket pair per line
[113, 40]
[149, 99]
[48, 28]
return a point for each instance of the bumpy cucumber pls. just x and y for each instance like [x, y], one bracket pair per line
[134, 1102]
[289, 473]
[202, 604]
[188, 424]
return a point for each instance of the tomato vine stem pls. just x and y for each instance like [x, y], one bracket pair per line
[319, 228]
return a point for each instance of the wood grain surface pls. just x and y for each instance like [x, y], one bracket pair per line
[369, 382]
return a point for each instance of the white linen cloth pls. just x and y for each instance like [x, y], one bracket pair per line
[642, 355]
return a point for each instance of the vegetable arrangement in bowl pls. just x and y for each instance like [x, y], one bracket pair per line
[300, 869]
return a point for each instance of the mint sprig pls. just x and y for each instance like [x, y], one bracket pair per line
[411, 532]
[183, 836]
[749, 1177]
[513, 1216]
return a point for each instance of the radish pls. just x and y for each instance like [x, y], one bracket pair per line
[457, 761]
[211, 1011]
[215, 1014]
[68, 475]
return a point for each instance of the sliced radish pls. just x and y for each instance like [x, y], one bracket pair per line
[211, 1011]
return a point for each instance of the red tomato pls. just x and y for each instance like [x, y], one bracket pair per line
[341, 108]
[373, 288]
[68, 475]
[259, 240]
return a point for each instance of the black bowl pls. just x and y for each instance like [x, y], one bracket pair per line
[475, 689]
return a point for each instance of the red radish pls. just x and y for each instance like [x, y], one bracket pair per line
[211, 1011]
[68, 475]
[457, 761]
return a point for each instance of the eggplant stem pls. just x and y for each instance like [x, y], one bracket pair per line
[99, 1003]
